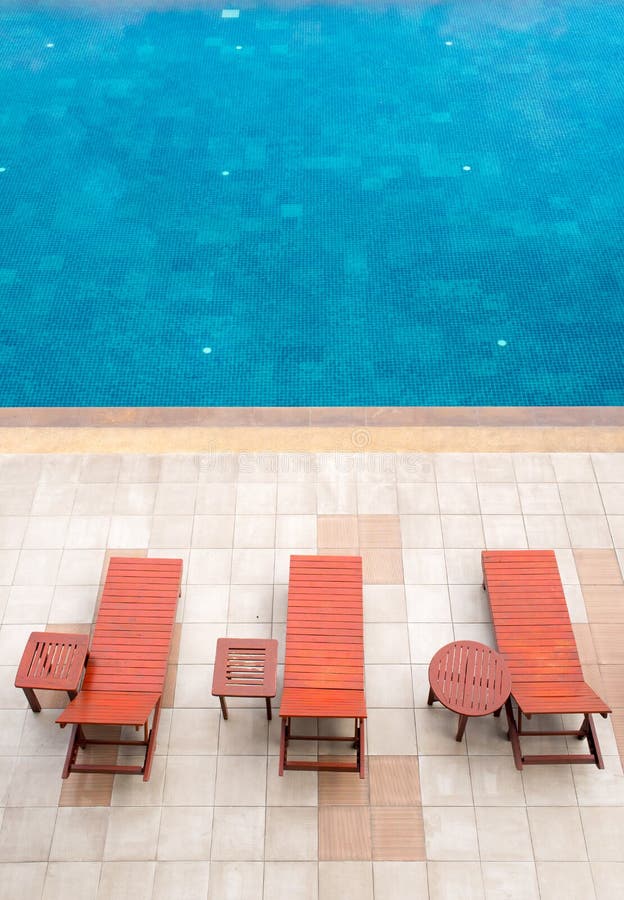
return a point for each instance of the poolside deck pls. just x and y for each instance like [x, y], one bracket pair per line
[434, 819]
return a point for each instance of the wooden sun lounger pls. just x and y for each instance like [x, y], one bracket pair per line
[535, 636]
[127, 664]
[324, 666]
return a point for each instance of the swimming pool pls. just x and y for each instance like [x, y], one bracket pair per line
[357, 204]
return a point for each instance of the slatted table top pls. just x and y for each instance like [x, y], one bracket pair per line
[534, 632]
[52, 661]
[324, 665]
[245, 667]
[469, 678]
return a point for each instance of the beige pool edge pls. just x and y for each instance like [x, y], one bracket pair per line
[314, 439]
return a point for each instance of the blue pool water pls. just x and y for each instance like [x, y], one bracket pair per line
[362, 204]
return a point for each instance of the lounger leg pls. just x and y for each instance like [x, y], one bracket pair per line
[283, 745]
[362, 749]
[80, 737]
[513, 734]
[224, 708]
[588, 730]
[32, 699]
[151, 744]
[461, 728]
[72, 751]
[268, 706]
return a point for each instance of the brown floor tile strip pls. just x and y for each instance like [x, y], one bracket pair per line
[377, 537]
[379, 819]
[394, 781]
[172, 667]
[601, 643]
[83, 789]
[593, 677]
[605, 603]
[609, 643]
[337, 531]
[618, 727]
[342, 789]
[596, 567]
[344, 833]
[339, 551]
[174, 653]
[398, 833]
[170, 687]
[382, 566]
[69, 628]
[613, 680]
[383, 532]
[585, 643]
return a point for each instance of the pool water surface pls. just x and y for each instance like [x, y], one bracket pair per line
[319, 205]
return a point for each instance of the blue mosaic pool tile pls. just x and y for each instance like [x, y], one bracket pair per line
[404, 190]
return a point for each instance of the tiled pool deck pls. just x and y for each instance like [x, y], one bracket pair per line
[434, 818]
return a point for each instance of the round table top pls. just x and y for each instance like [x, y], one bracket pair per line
[469, 678]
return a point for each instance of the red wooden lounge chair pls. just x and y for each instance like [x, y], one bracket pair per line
[534, 634]
[127, 664]
[324, 670]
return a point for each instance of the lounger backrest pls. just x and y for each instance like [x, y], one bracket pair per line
[530, 614]
[325, 623]
[134, 626]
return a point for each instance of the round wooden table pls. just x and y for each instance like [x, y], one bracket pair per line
[470, 679]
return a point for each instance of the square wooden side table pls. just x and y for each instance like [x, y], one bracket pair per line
[245, 667]
[52, 662]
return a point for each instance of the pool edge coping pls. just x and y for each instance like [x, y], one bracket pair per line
[310, 429]
[311, 416]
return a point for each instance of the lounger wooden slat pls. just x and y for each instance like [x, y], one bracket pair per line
[127, 665]
[535, 636]
[324, 664]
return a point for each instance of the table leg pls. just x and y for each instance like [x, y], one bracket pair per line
[513, 735]
[82, 740]
[431, 697]
[461, 728]
[224, 709]
[32, 700]
[268, 706]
